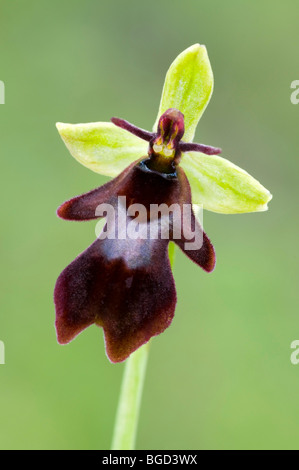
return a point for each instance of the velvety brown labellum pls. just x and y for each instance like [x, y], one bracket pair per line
[125, 285]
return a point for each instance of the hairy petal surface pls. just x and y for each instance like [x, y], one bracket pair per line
[84, 207]
[220, 186]
[124, 286]
[101, 146]
[123, 281]
[191, 239]
[196, 245]
[188, 87]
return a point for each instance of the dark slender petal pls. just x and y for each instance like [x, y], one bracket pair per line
[194, 147]
[193, 241]
[145, 135]
[84, 207]
[126, 288]
[205, 255]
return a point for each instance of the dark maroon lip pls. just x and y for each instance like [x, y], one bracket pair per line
[125, 286]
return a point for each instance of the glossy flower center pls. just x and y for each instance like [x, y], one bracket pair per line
[169, 133]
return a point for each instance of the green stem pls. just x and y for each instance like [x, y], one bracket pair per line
[130, 400]
[126, 423]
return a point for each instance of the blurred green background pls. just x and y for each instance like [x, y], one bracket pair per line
[220, 377]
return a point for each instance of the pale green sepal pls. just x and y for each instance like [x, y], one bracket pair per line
[221, 186]
[188, 87]
[101, 146]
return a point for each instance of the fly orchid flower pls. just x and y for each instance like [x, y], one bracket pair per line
[124, 283]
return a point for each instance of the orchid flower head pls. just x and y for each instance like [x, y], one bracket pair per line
[123, 281]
